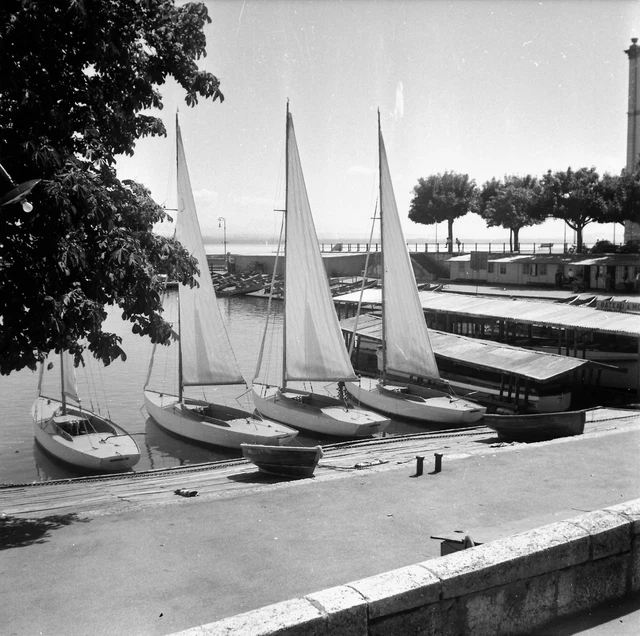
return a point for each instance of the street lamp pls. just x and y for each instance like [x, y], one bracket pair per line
[222, 222]
[18, 193]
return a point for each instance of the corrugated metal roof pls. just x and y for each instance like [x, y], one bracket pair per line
[523, 311]
[484, 354]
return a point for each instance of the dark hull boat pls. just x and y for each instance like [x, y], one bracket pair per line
[284, 461]
[537, 427]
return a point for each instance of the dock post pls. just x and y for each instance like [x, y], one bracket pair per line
[438, 457]
[419, 465]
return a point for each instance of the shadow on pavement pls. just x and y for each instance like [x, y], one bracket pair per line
[16, 532]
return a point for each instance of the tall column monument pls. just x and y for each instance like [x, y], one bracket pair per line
[632, 230]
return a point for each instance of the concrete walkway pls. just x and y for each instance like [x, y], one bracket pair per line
[162, 568]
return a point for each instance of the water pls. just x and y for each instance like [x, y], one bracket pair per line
[119, 388]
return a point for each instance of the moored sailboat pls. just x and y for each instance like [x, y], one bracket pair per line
[206, 357]
[406, 350]
[77, 436]
[313, 349]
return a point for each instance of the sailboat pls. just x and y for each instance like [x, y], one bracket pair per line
[205, 355]
[77, 436]
[406, 358]
[313, 349]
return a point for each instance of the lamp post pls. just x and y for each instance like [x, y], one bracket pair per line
[18, 193]
[222, 222]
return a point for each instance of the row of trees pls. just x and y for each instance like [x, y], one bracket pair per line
[578, 197]
[78, 80]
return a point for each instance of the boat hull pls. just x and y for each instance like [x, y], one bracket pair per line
[549, 403]
[537, 427]
[414, 402]
[82, 439]
[318, 413]
[206, 423]
[284, 461]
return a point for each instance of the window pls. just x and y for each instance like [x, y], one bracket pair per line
[503, 269]
[490, 268]
[526, 269]
[543, 269]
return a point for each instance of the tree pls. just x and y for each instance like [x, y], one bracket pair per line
[78, 80]
[626, 206]
[513, 204]
[443, 197]
[578, 197]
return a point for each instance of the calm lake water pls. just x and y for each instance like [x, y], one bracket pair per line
[119, 387]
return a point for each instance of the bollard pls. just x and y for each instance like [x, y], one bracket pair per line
[419, 464]
[438, 462]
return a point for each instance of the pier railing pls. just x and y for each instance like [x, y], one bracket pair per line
[492, 247]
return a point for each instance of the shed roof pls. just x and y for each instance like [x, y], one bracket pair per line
[523, 311]
[570, 259]
[483, 354]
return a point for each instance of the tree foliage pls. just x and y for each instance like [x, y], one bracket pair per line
[443, 197]
[626, 206]
[513, 203]
[578, 197]
[78, 78]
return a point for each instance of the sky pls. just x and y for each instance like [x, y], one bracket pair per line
[482, 87]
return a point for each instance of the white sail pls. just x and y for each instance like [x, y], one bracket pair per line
[407, 348]
[314, 348]
[69, 382]
[207, 356]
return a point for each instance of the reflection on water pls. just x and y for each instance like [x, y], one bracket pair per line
[120, 389]
[164, 449]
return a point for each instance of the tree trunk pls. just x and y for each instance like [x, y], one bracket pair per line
[450, 235]
[516, 239]
[579, 239]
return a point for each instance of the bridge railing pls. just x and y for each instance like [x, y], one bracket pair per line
[493, 247]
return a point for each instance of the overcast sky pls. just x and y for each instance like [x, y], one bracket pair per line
[483, 87]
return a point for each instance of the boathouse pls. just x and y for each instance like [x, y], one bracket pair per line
[607, 337]
[586, 271]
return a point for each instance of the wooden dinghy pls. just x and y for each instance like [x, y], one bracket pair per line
[537, 427]
[284, 461]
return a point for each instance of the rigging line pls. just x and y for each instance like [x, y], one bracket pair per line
[273, 279]
[104, 393]
[364, 279]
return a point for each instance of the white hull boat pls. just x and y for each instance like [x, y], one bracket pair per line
[318, 413]
[414, 402]
[313, 349]
[81, 438]
[406, 348]
[213, 424]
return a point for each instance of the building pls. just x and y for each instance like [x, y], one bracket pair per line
[632, 230]
[603, 272]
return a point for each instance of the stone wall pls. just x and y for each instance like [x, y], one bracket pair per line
[509, 586]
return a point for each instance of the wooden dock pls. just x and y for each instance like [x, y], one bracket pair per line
[111, 494]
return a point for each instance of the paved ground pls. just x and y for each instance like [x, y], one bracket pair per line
[161, 568]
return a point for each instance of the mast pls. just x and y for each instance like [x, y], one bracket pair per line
[286, 231]
[384, 335]
[62, 390]
[179, 330]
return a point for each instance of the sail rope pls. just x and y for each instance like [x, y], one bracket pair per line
[364, 280]
[269, 322]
